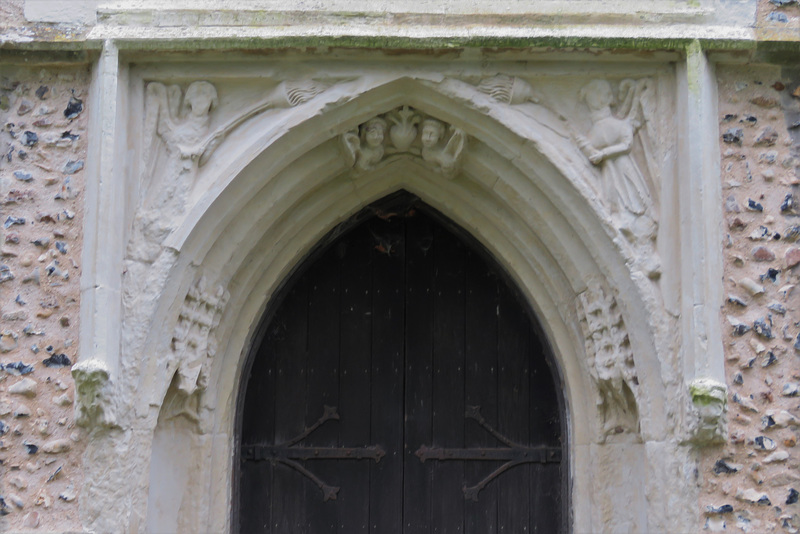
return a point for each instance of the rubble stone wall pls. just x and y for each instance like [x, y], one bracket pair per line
[42, 158]
[751, 484]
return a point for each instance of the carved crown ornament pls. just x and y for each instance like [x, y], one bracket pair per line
[405, 132]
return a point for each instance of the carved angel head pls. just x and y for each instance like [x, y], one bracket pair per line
[432, 132]
[200, 99]
[374, 131]
[597, 94]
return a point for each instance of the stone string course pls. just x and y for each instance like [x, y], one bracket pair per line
[42, 155]
[752, 483]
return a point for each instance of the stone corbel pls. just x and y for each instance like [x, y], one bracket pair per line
[93, 396]
[708, 424]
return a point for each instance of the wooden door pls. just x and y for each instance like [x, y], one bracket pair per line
[401, 386]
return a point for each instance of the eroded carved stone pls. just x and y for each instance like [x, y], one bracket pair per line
[710, 402]
[286, 94]
[508, 89]
[438, 145]
[194, 345]
[93, 398]
[625, 189]
[174, 131]
[611, 360]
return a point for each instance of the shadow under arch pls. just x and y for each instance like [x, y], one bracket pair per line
[519, 197]
[398, 206]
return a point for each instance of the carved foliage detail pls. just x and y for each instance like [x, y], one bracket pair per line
[405, 131]
[611, 360]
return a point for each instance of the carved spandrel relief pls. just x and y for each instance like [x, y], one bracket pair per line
[177, 141]
[611, 362]
[626, 190]
[287, 94]
[412, 133]
[194, 345]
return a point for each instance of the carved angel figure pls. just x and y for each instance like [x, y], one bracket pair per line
[366, 151]
[608, 145]
[182, 126]
[443, 154]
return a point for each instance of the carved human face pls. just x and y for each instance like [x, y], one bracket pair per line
[431, 133]
[200, 98]
[374, 135]
[598, 94]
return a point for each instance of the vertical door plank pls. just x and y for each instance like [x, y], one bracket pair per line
[355, 351]
[288, 496]
[258, 424]
[419, 359]
[545, 429]
[481, 387]
[448, 381]
[388, 313]
[322, 379]
[513, 401]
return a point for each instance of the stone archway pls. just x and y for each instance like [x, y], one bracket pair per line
[522, 190]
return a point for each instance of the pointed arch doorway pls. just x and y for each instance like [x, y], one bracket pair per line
[400, 384]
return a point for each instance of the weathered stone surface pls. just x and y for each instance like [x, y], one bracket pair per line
[56, 446]
[26, 387]
[753, 496]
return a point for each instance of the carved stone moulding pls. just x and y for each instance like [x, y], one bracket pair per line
[405, 132]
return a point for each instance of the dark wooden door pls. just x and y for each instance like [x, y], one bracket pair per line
[400, 386]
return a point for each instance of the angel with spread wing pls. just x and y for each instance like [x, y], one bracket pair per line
[609, 143]
[181, 122]
[365, 151]
[444, 155]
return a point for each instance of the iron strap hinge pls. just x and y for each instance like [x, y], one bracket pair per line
[513, 454]
[257, 453]
[288, 453]
[539, 455]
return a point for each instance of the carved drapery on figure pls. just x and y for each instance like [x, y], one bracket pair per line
[194, 345]
[174, 129]
[611, 361]
[177, 141]
[410, 133]
[627, 191]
